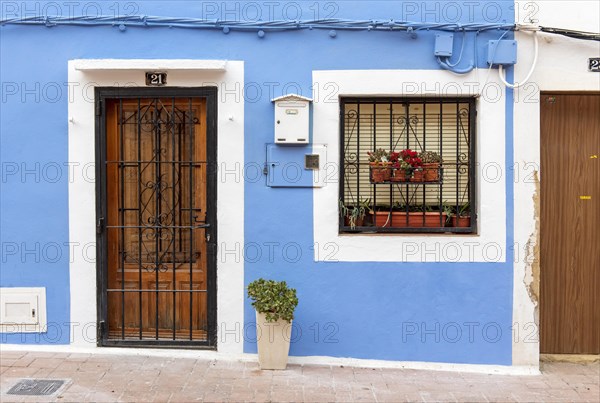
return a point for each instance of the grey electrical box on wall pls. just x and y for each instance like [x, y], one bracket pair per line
[292, 119]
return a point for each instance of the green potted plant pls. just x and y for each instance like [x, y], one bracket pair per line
[343, 210]
[353, 215]
[462, 218]
[366, 205]
[449, 211]
[431, 165]
[379, 165]
[274, 303]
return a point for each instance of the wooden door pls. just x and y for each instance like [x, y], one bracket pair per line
[570, 224]
[156, 220]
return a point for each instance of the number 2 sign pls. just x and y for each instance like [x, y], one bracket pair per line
[156, 79]
[594, 64]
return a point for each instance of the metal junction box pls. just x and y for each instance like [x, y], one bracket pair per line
[296, 167]
[502, 52]
[443, 44]
[292, 119]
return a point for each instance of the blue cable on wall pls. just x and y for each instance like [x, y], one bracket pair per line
[282, 25]
[261, 27]
[272, 26]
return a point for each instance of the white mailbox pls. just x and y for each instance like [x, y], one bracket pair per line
[292, 116]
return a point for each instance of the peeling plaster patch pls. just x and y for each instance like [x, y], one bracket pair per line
[532, 252]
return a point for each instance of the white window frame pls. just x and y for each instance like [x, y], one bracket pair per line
[489, 244]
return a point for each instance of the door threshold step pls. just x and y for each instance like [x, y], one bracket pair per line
[573, 358]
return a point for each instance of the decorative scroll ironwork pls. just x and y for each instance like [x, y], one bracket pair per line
[160, 196]
[408, 124]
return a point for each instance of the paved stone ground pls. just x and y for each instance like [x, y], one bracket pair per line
[108, 378]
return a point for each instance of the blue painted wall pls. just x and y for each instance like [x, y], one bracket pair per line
[394, 311]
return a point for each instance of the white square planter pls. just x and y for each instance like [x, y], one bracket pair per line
[273, 340]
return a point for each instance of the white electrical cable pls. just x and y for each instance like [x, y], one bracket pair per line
[535, 57]
[489, 69]
[462, 48]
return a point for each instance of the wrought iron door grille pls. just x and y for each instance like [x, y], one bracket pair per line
[390, 197]
[156, 181]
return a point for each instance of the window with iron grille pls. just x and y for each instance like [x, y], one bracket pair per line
[408, 165]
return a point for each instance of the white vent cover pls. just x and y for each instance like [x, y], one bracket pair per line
[22, 310]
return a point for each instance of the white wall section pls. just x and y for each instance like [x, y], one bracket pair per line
[562, 66]
[82, 186]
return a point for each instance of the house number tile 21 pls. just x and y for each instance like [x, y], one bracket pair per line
[156, 79]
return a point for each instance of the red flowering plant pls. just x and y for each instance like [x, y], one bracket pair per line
[412, 158]
[397, 162]
[401, 164]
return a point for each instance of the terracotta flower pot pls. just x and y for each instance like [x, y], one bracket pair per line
[411, 219]
[358, 223]
[432, 172]
[368, 220]
[380, 173]
[400, 175]
[418, 175]
[461, 222]
[381, 219]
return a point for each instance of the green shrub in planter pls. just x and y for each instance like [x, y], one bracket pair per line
[273, 298]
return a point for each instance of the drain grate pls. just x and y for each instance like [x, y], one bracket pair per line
[35, 387]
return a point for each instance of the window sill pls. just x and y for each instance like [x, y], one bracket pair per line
[344, 233]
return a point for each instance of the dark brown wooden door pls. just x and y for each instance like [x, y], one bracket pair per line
[156, 220]
[570, 224]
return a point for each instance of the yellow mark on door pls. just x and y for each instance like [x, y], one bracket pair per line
[585, 197]
[593, 157]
